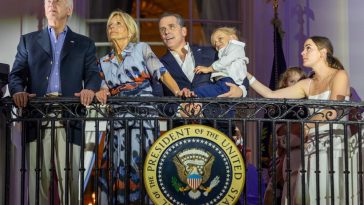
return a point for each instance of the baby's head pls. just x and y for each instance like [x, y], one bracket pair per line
[291, 76]
[220, 37]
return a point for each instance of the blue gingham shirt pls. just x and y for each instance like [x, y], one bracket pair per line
[54, 81]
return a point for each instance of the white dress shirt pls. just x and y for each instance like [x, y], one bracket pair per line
[188, 65]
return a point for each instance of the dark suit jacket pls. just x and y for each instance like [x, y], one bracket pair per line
[32, 66]
[203, 56]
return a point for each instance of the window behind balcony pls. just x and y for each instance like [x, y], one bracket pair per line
[201, 17]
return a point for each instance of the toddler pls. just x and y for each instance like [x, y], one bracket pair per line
[230, 67]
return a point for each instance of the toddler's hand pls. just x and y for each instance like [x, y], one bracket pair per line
[203, 69]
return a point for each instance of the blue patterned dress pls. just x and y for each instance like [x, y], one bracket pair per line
[130, 77]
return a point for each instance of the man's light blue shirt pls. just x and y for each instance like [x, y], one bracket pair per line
[54, 81]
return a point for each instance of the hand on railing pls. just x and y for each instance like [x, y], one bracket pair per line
[102, 95]
[86, 96]
[185, 92]
[21, 98]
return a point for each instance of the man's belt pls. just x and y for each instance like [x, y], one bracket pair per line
[53, 94]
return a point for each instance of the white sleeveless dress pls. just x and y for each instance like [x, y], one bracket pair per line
[323, 181]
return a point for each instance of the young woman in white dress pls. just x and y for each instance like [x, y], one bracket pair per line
[329, 82]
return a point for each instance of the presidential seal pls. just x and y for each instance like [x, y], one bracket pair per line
[194, 164]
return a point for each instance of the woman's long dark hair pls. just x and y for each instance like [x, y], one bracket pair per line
[323, 42]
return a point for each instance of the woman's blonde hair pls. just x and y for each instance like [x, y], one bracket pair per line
[227, 30]
[131, 25]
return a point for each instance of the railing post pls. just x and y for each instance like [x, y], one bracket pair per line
[4, 118]
[7, 164]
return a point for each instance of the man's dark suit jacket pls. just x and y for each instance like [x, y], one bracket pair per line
[32, 67]
[203, 56]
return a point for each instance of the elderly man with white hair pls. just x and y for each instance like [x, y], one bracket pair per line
[54, 62]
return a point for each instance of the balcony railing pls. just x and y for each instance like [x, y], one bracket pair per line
[319, 155]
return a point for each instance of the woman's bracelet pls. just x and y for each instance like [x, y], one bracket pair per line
[252, 80]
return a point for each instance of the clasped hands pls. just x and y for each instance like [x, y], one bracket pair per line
[185, 92]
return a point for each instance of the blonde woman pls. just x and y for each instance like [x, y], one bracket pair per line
[127, 71]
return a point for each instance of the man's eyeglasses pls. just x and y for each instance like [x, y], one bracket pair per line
[171, 27]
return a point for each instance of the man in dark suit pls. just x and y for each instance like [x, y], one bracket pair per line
[181, 58]
[54, 62]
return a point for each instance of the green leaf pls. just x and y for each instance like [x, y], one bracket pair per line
[175, 183]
